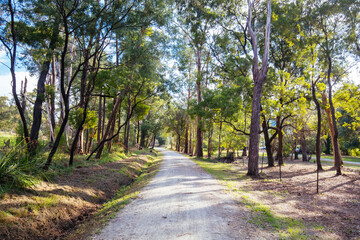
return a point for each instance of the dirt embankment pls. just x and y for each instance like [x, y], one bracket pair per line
[52, 210]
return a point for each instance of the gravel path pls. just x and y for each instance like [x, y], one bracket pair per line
[181, 202]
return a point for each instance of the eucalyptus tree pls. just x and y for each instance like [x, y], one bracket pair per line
[246, 35]
[141, 78]
[259, 76]
[185, 60]
[328, 21]
[92, 39]
[195, 20]
[284, 87]
[9, 38]
[176, 123]
[66, 12]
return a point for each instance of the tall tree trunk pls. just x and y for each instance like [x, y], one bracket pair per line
[134, 136]
[303, 145]
[126, 142]
[337, 153]
[279, 154]
[107, 130]
[119, 123]
[219, 144]
[51, 127]
[23, 94]
[186, 148]
[271, 162]
[190, 152]
[138, 132]
[40, 91]
[153, 143]
[64, 95]
[259, 77]
[210, 139]
[179, 143]
[99, 119]
[328, 145]
[332, 131]
[12, 52]
[67, 128]
[244, 152]
[253, 166]
[86, 141]
[112, 129]
[318, 130]
[199, 133]
[103, 117]
[83, 105]
[52, 100]
[187, 119]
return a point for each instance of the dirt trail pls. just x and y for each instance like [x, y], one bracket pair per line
[181, 202]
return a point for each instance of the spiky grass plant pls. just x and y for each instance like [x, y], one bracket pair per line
[15, 168]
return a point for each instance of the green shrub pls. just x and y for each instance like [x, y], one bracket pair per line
[355, 152]
[16, 169]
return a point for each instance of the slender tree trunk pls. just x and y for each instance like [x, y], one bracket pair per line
[40, 92]
[219, 144]
[190, 152]
[279, 154]
[193, 137]
[332, 129]
[112, 129]
[337, 153]
[103, 116]
[86, 141]
[179, 143]
[303, 145]
[23, 94]
[67, 128]
[153, 143]
[106, 133]
[186, 148]
[271, 162]
[83, 105]
[51, 127]
[138, 132]
[187, 143]
[244, 152]
[210, 139]
[65, 97]
[328, 145]
[318, 130]
[128, 127]
[199, 133]
[119, 123]
[99, 120]
[12, 52]
[52, 99]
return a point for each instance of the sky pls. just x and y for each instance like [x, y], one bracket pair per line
[5, 77]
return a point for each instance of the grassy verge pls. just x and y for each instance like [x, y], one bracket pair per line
[344, 158]
[122, 197]
[83, 195]
[261, 215]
